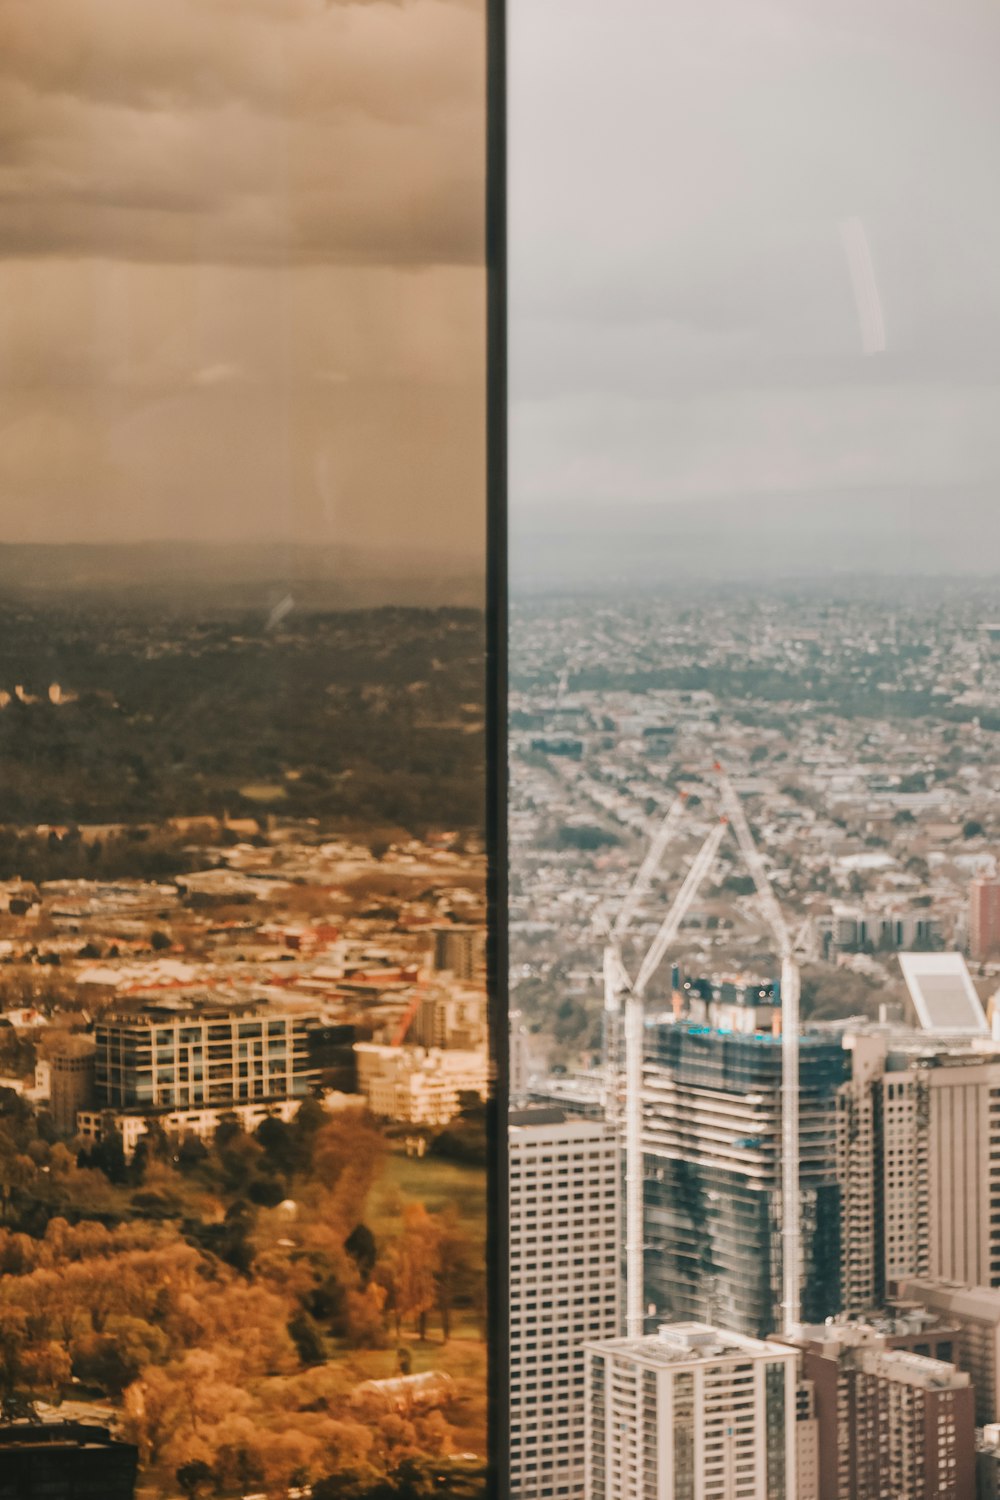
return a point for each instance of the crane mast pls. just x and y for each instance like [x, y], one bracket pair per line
[616, 980]
[791, 1296]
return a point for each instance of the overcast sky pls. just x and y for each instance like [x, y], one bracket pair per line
[754, 247]
[241, 289]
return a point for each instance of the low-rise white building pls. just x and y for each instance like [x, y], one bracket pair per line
[203, 1123]
[418, 1085]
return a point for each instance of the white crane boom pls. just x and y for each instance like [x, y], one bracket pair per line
[755, 865]
[790, 990]
[650, 865]
[616, 979]
[634, 1017]
[671, 924]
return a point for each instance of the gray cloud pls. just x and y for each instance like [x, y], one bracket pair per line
[242, 132]
[684, 319]
[241, 282]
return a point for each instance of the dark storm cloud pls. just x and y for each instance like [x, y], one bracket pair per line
[242, 131]
[241, 283]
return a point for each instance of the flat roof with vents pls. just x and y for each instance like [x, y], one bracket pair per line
[943, 994]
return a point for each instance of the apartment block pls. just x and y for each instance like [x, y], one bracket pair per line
[975, 1310]
[162, 1058]
[918, 1161]
[418, 1085]
[891, 1422]
[984, 919]
[883, 1169]
[691, 1413]
[565, 1288]
[203, 1122]
[459, 949]
[453, 1017]
[71, 1082]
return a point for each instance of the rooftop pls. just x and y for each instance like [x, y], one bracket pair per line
[690, 1344]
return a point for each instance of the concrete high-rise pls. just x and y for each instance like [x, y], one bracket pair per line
[565, 1278]
[975, 1311]
[691, 1413]
[891, 1422]
[918, 1158]
[984, 919]
[712, 1147]
[459, 949]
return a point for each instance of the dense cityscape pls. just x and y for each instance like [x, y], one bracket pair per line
[814, 771]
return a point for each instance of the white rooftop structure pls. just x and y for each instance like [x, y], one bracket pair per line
[943, 994]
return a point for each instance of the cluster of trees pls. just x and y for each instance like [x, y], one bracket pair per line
[231, 1296]
[134, 854]
[175, 716]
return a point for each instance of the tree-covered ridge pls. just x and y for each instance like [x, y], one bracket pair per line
[369, 715]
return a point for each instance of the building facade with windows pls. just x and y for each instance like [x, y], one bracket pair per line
[918, 1160]
[161, 1058]
[565, 1288]
[691, 1413]
[891, 1422]
[712, 1145]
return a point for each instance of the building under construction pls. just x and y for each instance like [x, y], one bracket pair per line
[696, 1131]
[711, 1130]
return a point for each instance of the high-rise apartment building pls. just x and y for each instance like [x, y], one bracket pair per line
[891, 1423]
[565, 1288]
[918, 1149]
[975, 1310]
[691, 1413]
[517, 1058]
[712, 1144]
[160, 1058]
[883, 1169]
[984, 919]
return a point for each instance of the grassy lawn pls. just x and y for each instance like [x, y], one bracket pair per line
[433, 1182]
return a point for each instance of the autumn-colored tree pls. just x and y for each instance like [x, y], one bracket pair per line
[456, 1271]
[347, 1153]
[417, 1266]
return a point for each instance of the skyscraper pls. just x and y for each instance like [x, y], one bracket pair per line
[691, 1413]
[712, 1142]
[918, 1158]
[565, 1288]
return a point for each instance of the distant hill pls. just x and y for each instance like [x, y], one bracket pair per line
[915, 534]
[242, 574]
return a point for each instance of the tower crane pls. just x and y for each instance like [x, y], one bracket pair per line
[634, 1018]
[616, 979]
